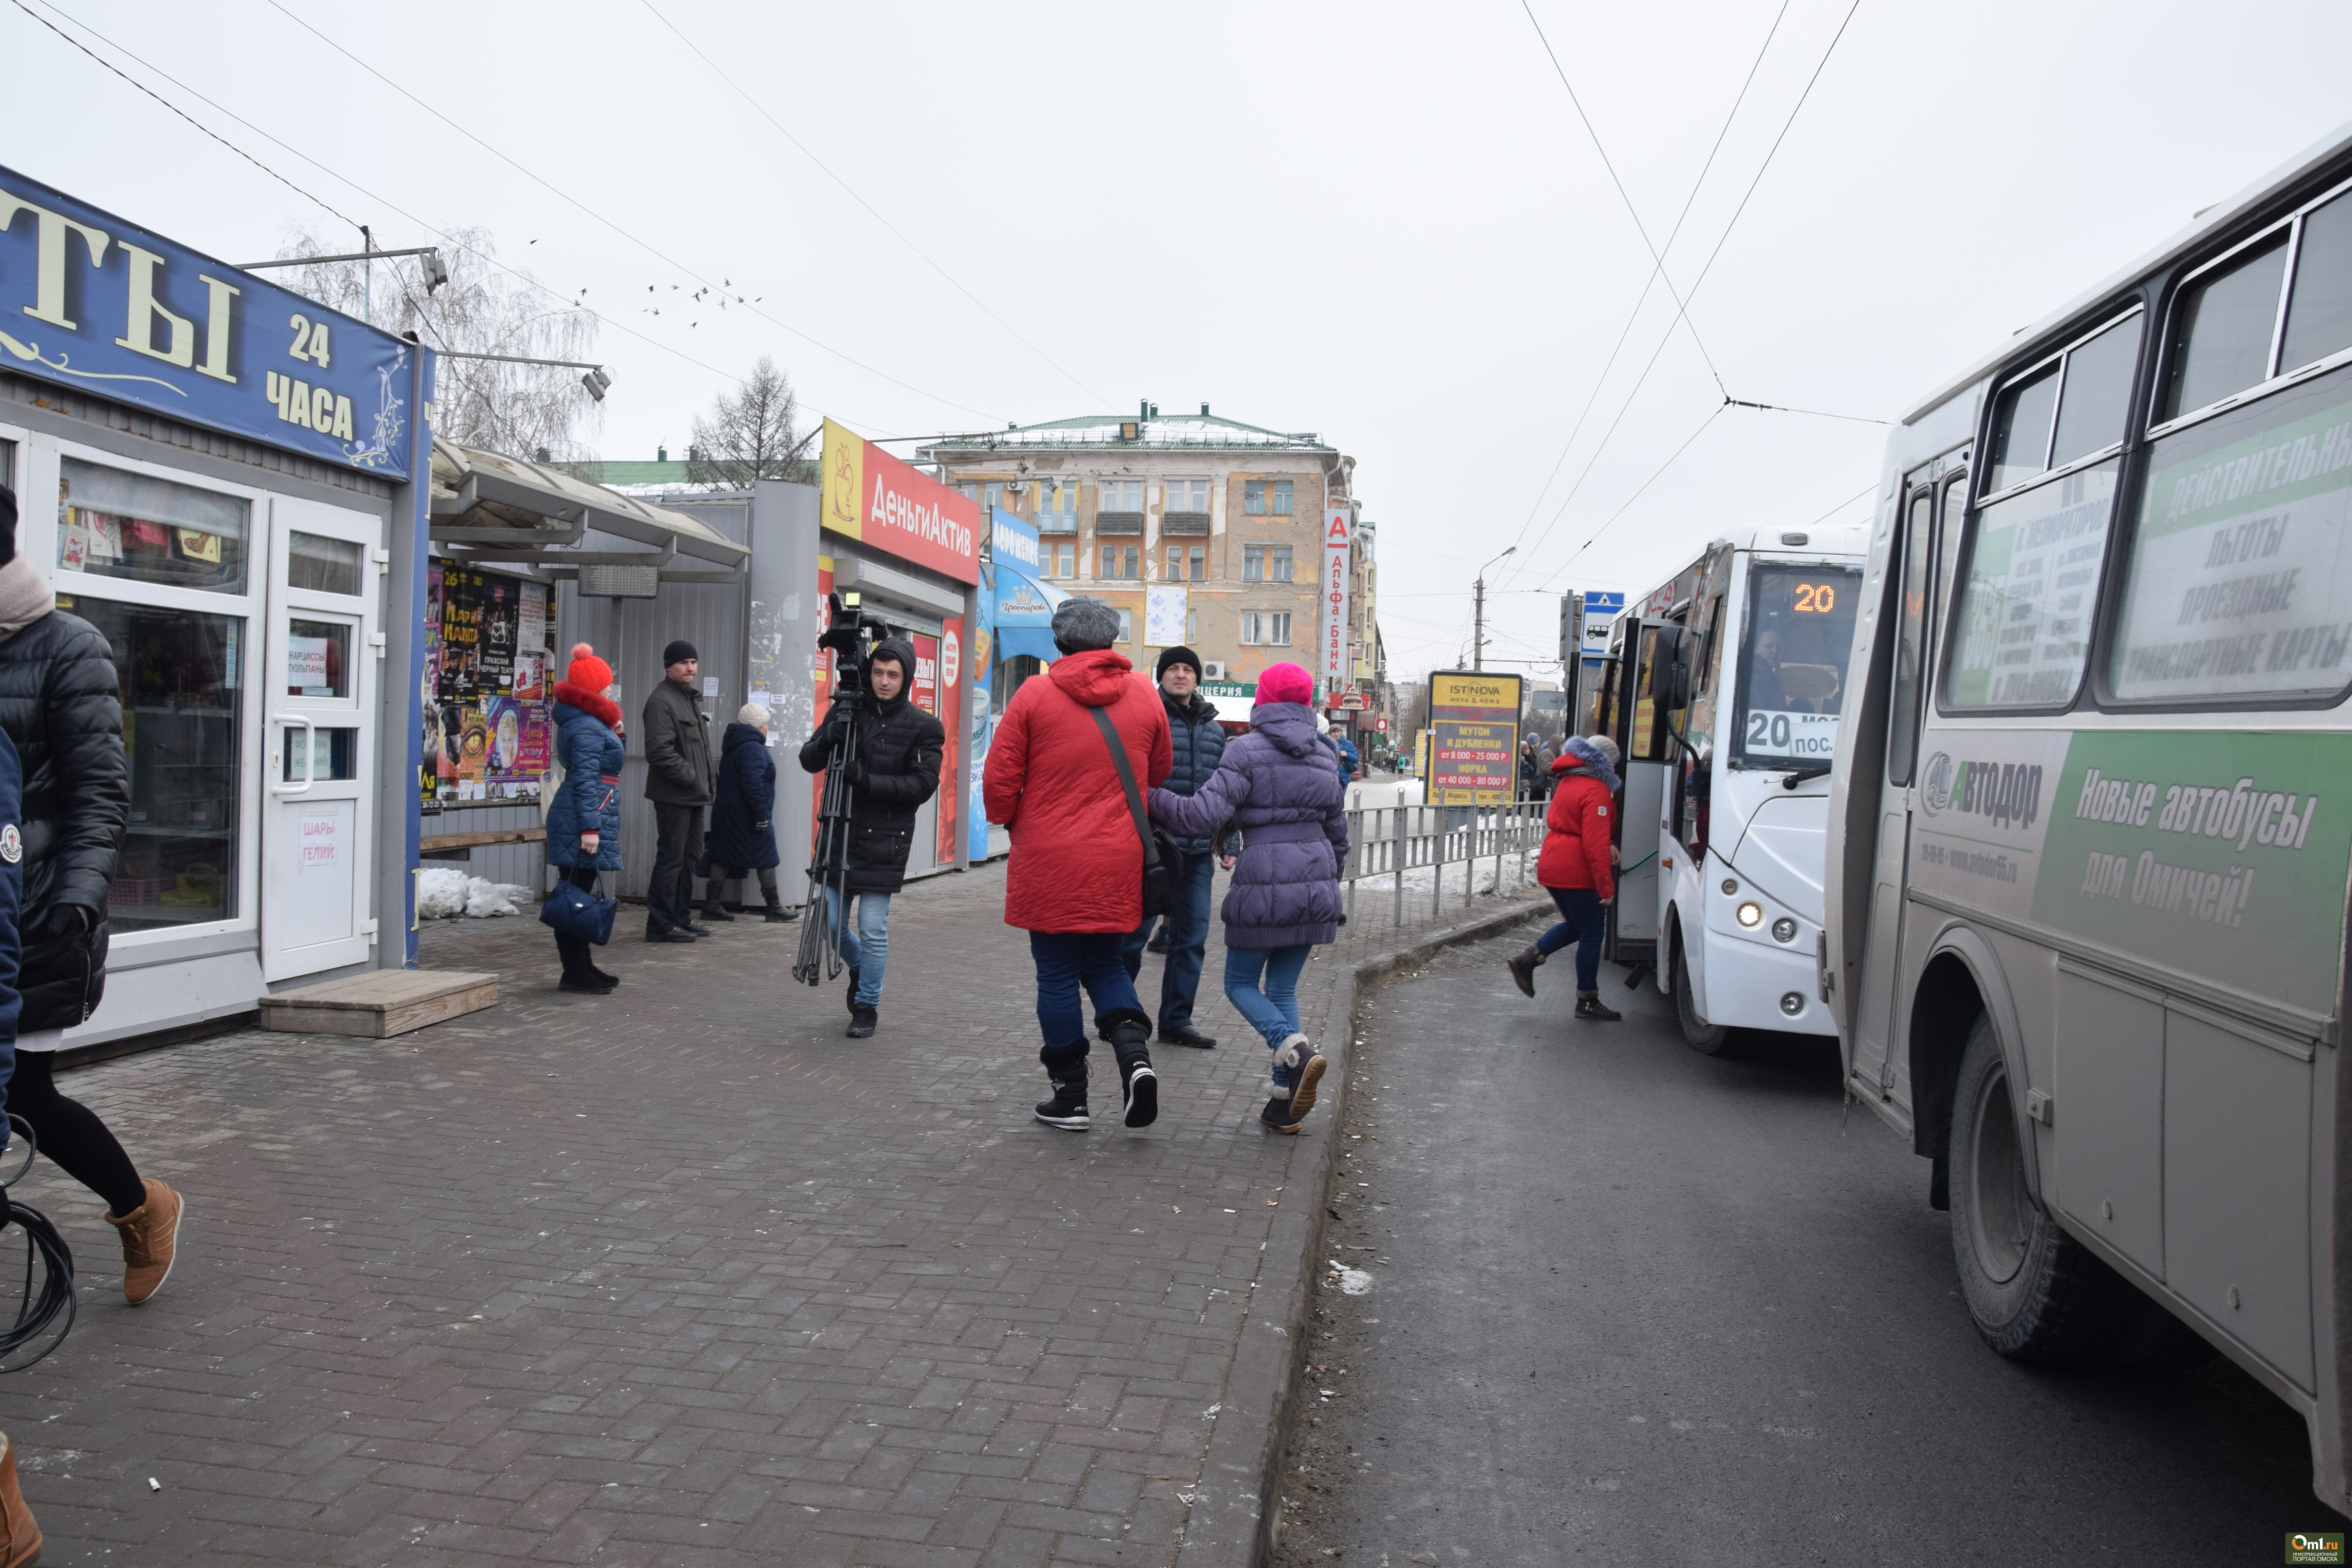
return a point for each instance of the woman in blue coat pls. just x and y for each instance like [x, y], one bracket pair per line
[742, 837]
[583, 814]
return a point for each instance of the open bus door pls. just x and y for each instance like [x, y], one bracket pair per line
[1637, 720]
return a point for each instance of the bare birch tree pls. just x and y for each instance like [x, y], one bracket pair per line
[534, 412]
[754, 432]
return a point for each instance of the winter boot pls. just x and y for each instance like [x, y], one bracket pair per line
[1300, 1065]
[850, 995]
[1159, 943]
[1067, 1071]
[604, 982]
[1185, 1035]
[1129, 1033]
[1523, 969]
[712, 910]
[20, 1538]
[150, 1236]
[1588, 1006]
[775, 913]
[861, 1022]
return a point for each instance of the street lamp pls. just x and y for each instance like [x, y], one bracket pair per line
[1478, 636]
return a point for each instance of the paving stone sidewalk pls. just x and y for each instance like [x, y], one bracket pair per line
[674, 1276]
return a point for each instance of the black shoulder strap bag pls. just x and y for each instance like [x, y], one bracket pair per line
[1160, 849]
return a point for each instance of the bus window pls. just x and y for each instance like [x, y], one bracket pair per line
[2028, 588]
[2221, 329]
[2319, 311]
[2239, 580]
[2021, 431]
[2095, 409]
[1792, 664]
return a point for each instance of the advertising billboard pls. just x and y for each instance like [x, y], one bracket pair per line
[871, 496]
[1331, 669]
[1473, 725]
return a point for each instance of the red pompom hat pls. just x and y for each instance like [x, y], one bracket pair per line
[588, 672]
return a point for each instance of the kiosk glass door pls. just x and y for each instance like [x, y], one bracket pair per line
[319, 753]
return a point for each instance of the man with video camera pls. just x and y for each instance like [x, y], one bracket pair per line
[893, 768]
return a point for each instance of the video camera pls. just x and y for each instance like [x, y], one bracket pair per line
[851, 635]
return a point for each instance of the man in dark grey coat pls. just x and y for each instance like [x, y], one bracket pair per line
[681, 775]
[1197, 742]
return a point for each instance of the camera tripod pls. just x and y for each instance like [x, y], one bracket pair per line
[820, 954]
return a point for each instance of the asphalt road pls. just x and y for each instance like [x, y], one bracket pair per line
[1629, 1304]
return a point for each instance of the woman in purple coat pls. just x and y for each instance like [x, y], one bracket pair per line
[1280, 785]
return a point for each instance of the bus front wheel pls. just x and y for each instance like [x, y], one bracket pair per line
[2035, 1293]
[1708, 1039]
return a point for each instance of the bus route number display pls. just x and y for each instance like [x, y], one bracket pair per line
[1814, 599]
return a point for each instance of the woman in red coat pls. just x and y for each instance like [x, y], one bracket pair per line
[1076, 881]
[1576, 867]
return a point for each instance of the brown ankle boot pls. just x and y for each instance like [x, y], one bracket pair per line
[1589, 1005]
[149, 1234]
[20, 1538]
[1523, 969]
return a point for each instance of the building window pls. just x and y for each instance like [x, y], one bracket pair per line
[1127, 625]
[1120, 495]
[971, 488]
[1177, 558]
[1057, 506]
[1187, 494]
[1266, 627]
[116, 524]
[1121, 561]
[1059, 560]
[1265, 563]
[1266, 497]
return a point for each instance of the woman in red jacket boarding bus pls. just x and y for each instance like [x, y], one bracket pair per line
[1577, 869]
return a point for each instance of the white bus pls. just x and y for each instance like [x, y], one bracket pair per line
[2093, 808]
[1724, 687]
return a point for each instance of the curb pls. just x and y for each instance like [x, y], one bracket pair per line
[1232, 1520]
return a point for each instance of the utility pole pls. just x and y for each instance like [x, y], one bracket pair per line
[1478, 614]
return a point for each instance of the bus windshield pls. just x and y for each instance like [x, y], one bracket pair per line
[1799, 629]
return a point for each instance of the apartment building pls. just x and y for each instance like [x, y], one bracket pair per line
[1233, 513]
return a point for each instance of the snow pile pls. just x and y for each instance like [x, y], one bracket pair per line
[444, 892]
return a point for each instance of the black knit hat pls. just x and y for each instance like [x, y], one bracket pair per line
[677, 651]
[7, 525]
[1180, 653]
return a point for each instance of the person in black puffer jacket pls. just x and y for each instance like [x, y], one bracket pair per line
[1198, 744]
[897, 769]
[59, 705]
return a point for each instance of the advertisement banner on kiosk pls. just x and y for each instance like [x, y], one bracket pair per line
[105, 308]
[1473, 725]
[872, 496]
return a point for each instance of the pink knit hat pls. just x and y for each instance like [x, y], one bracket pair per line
[1285, 683]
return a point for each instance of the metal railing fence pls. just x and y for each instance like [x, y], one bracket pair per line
[1406, 846]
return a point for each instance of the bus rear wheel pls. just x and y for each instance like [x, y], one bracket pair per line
[1708, 1039]
[2036, 1294]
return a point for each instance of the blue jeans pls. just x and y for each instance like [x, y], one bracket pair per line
[1188, 940]
[1579, 923]
[1066, 960]
[1272, 1012]
[866, 945]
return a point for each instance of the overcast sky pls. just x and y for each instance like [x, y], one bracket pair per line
[1382, 222]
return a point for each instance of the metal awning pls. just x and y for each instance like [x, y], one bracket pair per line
[501, 511]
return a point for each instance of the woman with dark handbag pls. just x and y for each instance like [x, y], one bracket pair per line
[583, 818]
[1282, 786]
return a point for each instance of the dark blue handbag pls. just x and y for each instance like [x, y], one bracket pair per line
[574, 911]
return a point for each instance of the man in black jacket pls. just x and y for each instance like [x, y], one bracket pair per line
[59, 705]
[897, 769]
[1198, 744]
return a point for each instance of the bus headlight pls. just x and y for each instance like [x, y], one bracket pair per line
[1749, 914]
[1784, 929]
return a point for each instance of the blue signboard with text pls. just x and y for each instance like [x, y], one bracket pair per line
[89, 301]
